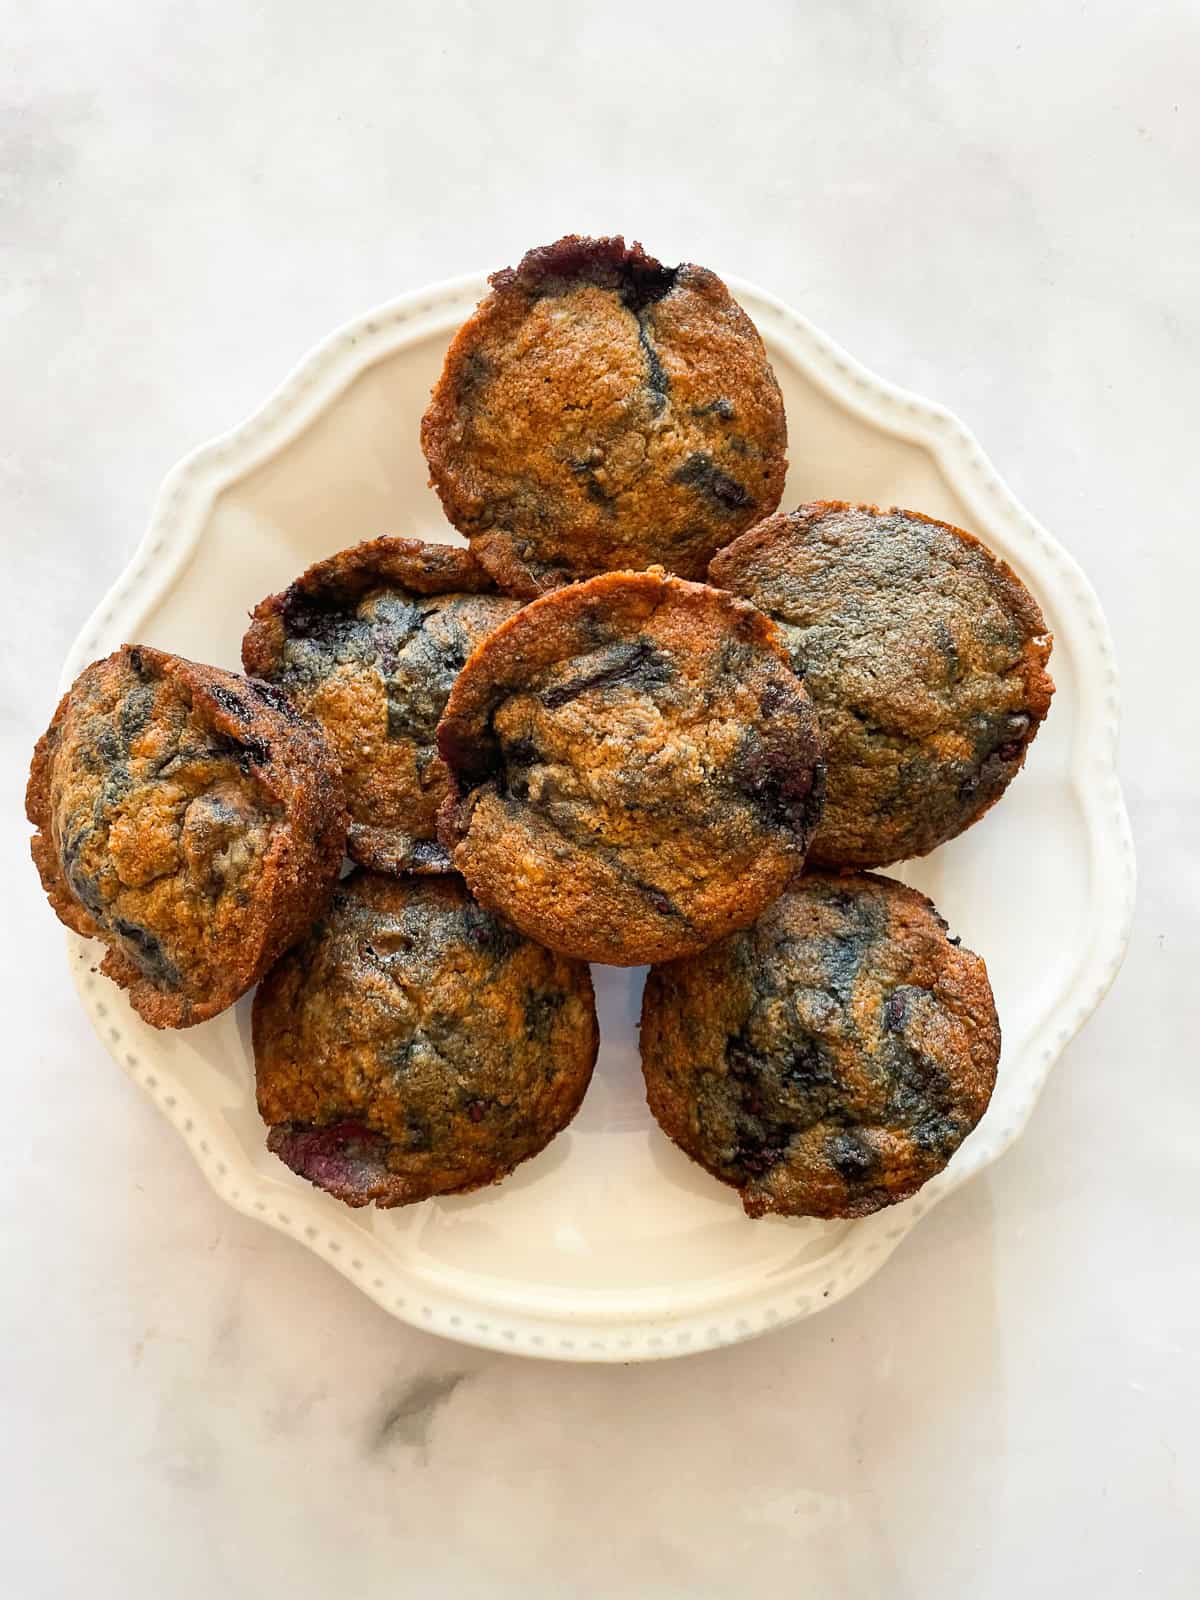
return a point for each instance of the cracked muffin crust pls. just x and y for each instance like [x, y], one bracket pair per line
[413, 1045]
[830, 1060]
[600, 411]
[369, 643]
[925, 655]
[635, 768]
[189, 818]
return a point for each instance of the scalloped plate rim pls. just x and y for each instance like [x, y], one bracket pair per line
[174, 532]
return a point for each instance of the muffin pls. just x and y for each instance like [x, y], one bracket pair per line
[413, 1045]
[830, 1060]
[635, 768]
[369, 643]
[189, 818]
[926, 657]
[600, 411]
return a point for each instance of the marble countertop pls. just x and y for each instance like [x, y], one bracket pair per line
[994, 206]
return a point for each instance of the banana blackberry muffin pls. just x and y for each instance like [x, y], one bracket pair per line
[189, 818]
[369, 643]
[600, 411]
[635, 768]
[414, 1045]
[926, 657]
[830, 1060]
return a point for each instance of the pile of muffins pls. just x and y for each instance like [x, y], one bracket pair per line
[645, 718]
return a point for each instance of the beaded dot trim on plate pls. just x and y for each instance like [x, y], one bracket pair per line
[176, 527]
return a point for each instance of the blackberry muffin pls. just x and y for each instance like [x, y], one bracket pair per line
[926, 657]
[600, 411]
[189, 818]
[830, 1060]
[635, 768]
[414, 1045]
[369, 643]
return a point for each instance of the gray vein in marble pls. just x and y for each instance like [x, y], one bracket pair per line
[408, 1417]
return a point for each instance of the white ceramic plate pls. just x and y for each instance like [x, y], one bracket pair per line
[611, 1245]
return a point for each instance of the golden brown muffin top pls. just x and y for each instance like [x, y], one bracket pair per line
[600, 411]
[369, 643]
[189, 818]
[636, 768]
[829, 1060]
[414, 1045]
[925, 655]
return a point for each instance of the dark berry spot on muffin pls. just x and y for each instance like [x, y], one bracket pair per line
[774, 695]
[808, 1070]
[916, 1083]
[73, 842]
[661, 902]
[781, 790]
[740, 1058]
[541, 1008]
[345, 1158]
[646, 282]
[249, 751]
[115, 785]
[522, 752]
[657, 380]
[485, 932]
[939, 1136]
[843, 957]
[851, 1157]
[900, 1004]
[146, 951]
[475, 758]
[555, 269]
[273, 696]
[109, 747]
[585, 468]
[756, 1157]
[700, 472]
[944, 640]
[136, 712]
[637, 663]
[306, 618]
[720, 407]
[893, 1012]
[88, 892]
[230, 702]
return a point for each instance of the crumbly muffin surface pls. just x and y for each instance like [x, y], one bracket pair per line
[829, 1060]
[636, 768]
[926, 657]
[189, 818]
[600, 411]
[414, 1045]
[369, 643]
